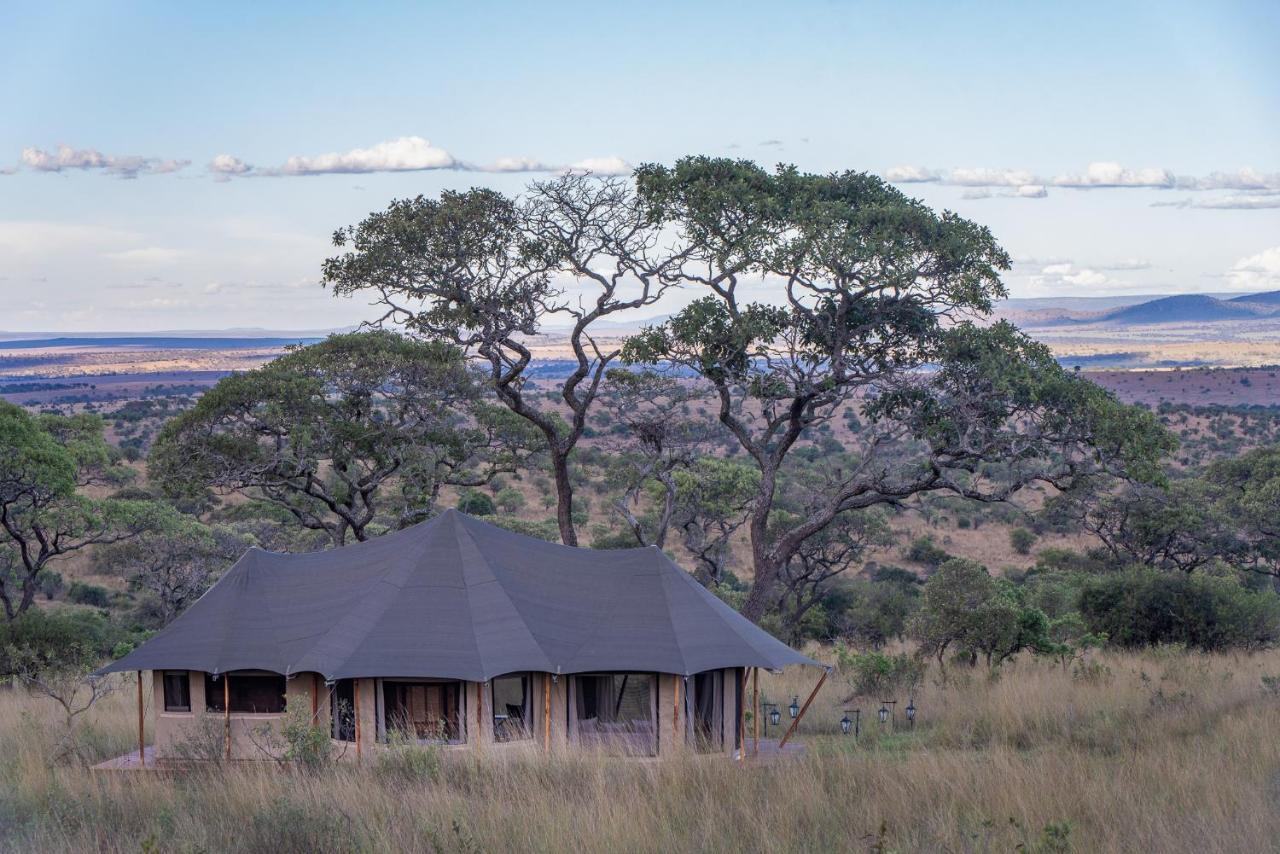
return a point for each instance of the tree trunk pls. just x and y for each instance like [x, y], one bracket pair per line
[564, 497]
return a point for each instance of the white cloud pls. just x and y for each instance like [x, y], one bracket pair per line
[1057, 269]
[1086, 279]
[1254, 190]
[602, 166]
[519, 164]
[1234, 202]
[911, 175]
[148, 255]
[1127, 264]
[224, 166]
[1110, 175]
[990, 177]
[405, 154]
[123, 166]
[1257, 272]
[1241, 179]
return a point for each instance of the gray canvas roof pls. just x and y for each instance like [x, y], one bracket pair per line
[458, 598]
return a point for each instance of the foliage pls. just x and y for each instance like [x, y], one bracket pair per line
[965, 611]
[875, 675]
[337, 433]
[46, 464]
[88, 594]
[871, 286]
[925, 551]
[875, 611]
[476, 503]
[55, 640]
[1143, 607]
[484, 272]
[174, 567]
[1021, 540]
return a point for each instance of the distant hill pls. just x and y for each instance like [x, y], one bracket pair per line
[1185, 308]
[1269, 298]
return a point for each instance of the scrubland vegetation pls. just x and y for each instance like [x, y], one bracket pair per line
[1164, 750]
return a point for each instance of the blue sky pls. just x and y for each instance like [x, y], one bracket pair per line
[1112, 147]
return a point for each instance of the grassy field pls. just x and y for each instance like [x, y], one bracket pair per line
[1164, 751]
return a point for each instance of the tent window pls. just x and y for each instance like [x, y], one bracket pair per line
[251, 693]
[422, 711]
[177, 691]
[511, 708]
[616, 710]
[342, 710]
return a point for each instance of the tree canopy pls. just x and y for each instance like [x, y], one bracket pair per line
[868, 298]
[361, 429]
[45, 513]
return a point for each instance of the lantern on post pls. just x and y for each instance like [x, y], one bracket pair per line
[911, 713]
[846, 724]
[794, 708]
[775, 716]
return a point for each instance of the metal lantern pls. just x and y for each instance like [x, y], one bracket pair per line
[846, 724]
[794, 708]
[911, 712]
[774, 715]
[884, 713]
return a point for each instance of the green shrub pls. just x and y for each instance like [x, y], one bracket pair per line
[475, 503]
[510, 499]
[1021, 540]
[88, 594]
[876, 675]
[1142, 607]
[924, 551]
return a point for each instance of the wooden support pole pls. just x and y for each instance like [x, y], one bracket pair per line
[479, 710]
[315, 698]
[142, 744]
[226, 712]
[741, 699]
[791, 729]
[355, 693]
[755, 711]
[675, 712]
[546, 712]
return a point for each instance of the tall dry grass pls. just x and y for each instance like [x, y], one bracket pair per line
[1166, 751]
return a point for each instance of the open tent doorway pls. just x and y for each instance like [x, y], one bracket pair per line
[708, 711]
[615, 711]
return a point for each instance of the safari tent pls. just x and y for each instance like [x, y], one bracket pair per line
[463, 634]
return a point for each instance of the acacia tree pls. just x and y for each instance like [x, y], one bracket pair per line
[46, 463]
[869, 298]
[175, 566]
[658, 440]
[359, 429]
[487, 272]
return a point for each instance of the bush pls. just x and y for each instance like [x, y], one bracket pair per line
[1142, 607]
[88, 594]
[876, 675]
[924, 551]
[1021, 540]
[510, 499]
[55, 639]
[49, 583]
[476, 504]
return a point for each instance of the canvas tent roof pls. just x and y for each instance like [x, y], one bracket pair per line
[458, 598]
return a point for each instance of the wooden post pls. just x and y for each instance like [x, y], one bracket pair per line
[142, 744]
[315, 698]
[355, 693]
[546, 712]
[741, 699]
[226, 712]
[755, 710]
[675, 713]
[479, 710]
[804, 708]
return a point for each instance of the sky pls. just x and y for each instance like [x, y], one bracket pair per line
[170, 166]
